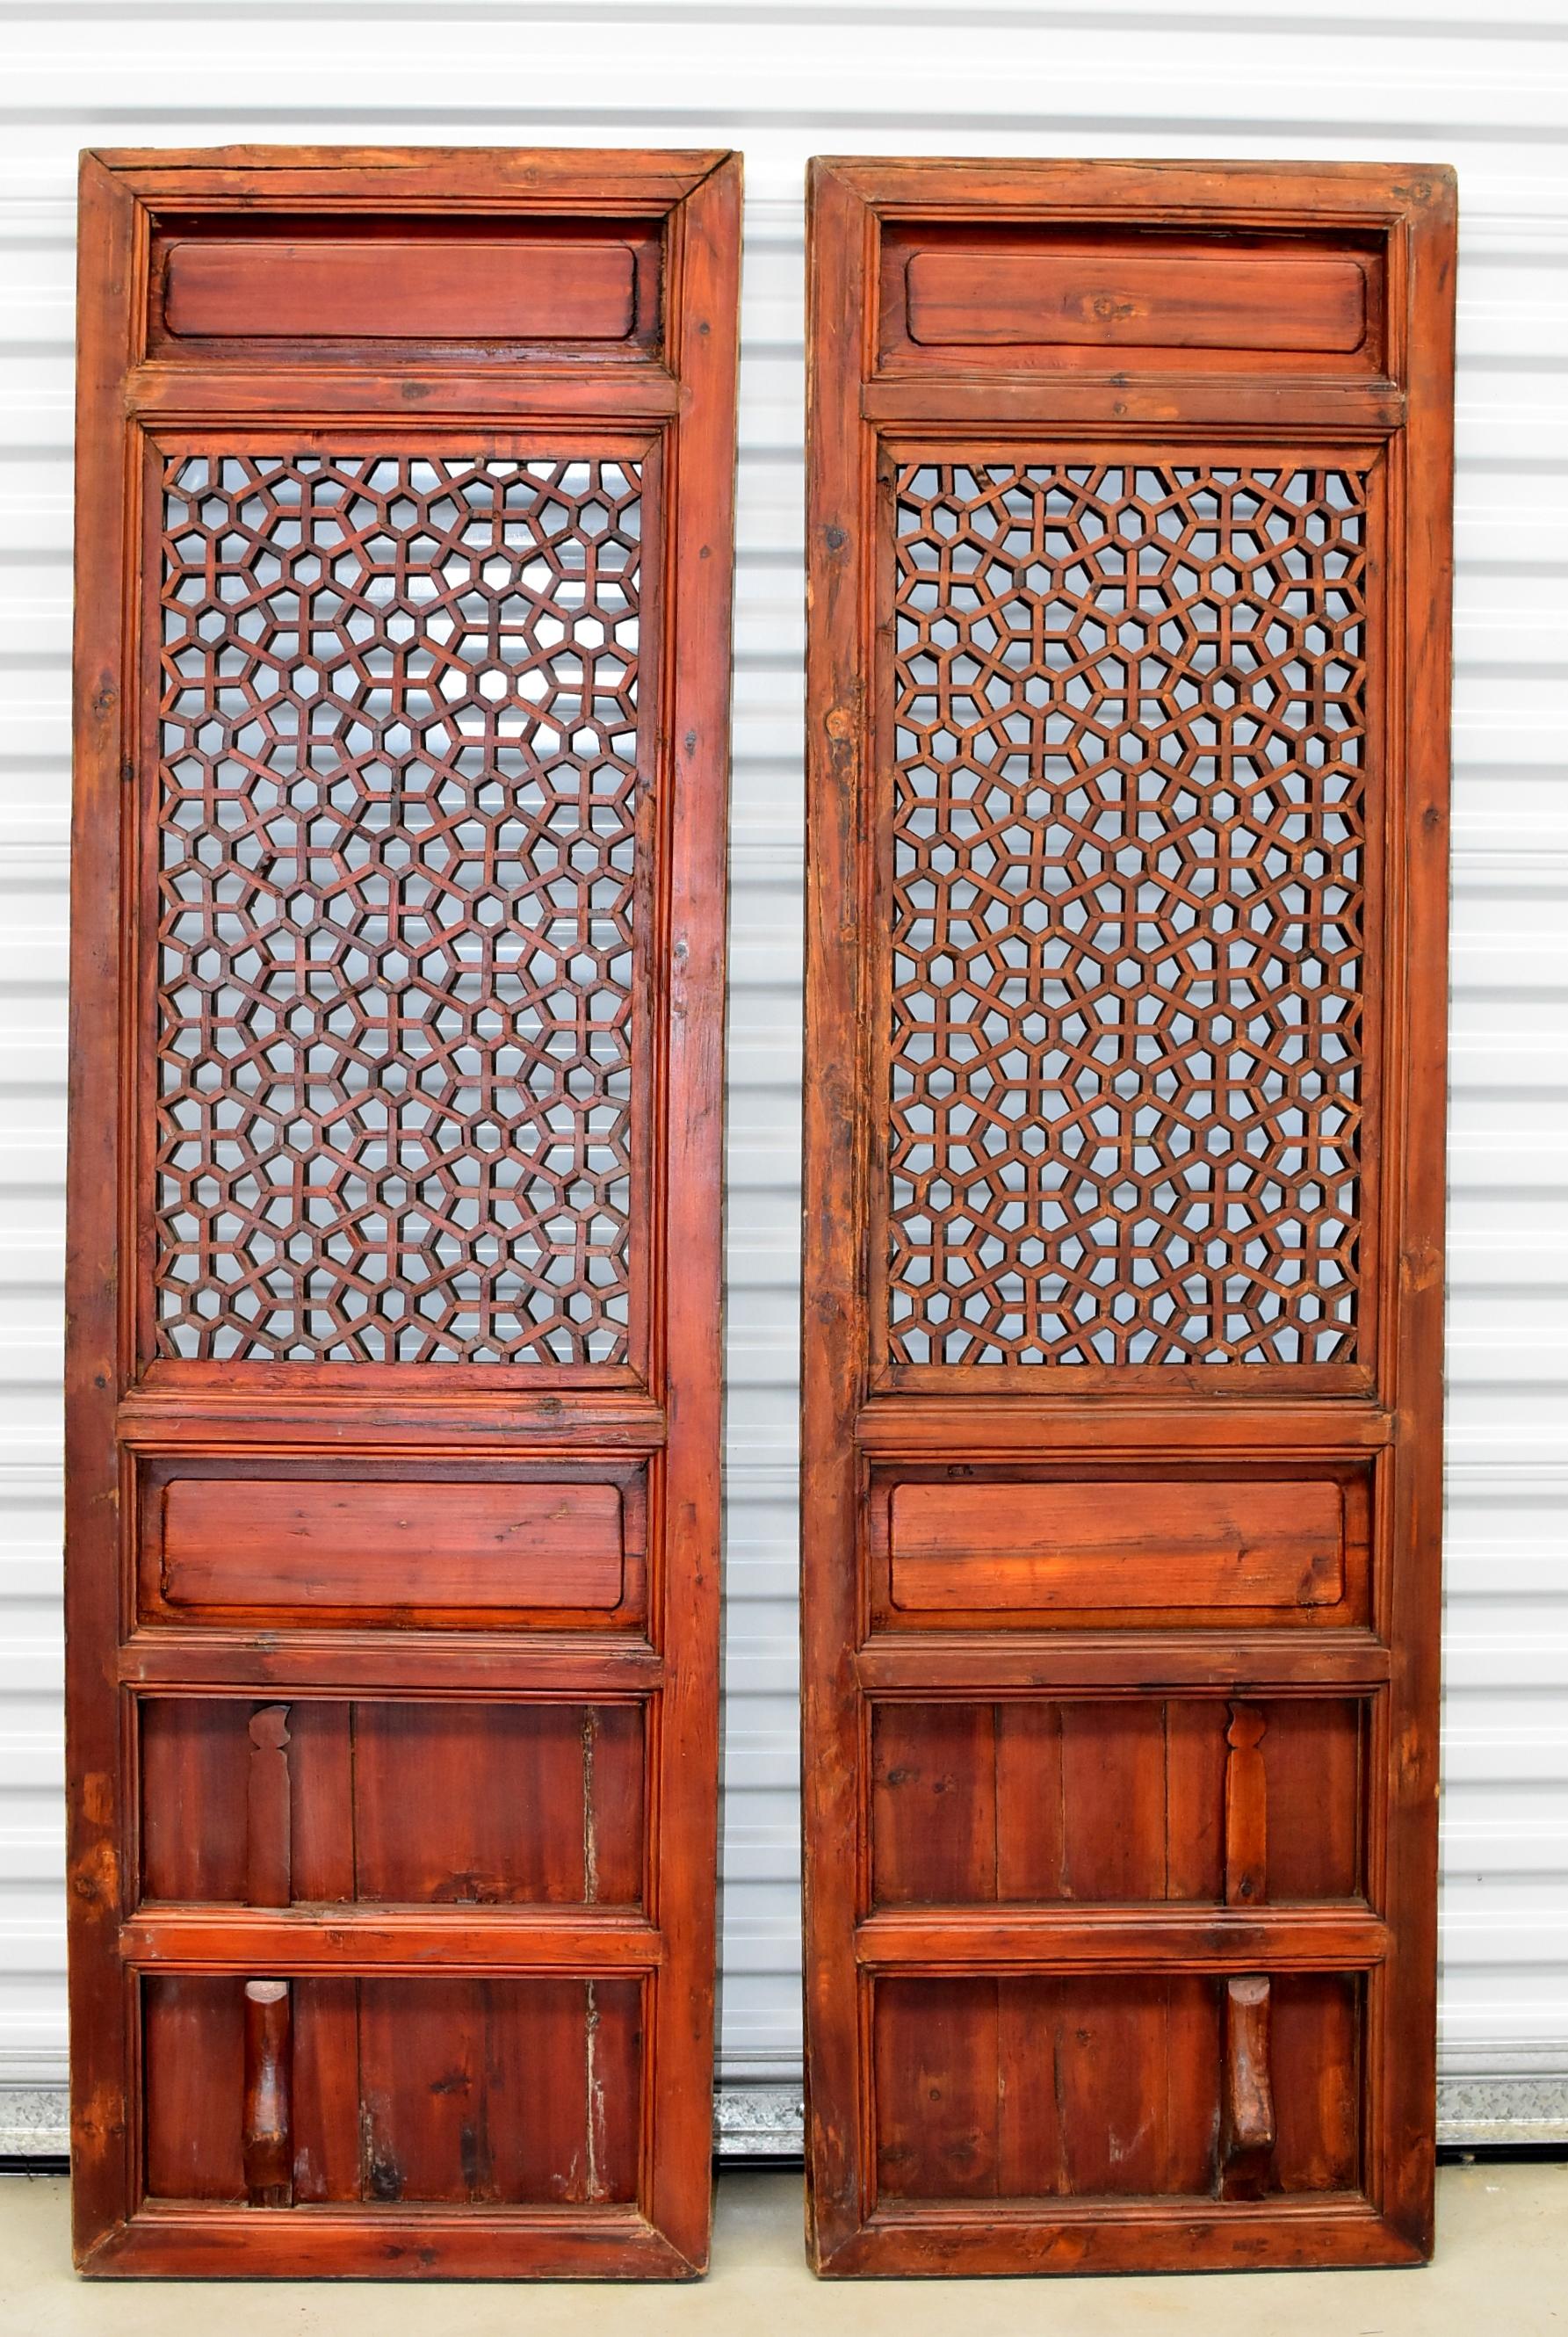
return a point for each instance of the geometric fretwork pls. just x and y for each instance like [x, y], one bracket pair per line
[1128, 836]
[395, 844]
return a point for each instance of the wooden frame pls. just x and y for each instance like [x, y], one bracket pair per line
[1053, 312]
[457, 329]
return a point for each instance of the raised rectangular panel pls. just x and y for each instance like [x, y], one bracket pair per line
[1121, 296]
[380, 1544]
[1147, 1545]
[1097, 295]
[973, 1546]
[429, 288]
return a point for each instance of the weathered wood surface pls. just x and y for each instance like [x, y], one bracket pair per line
[1120, 1890]
[394, 1373]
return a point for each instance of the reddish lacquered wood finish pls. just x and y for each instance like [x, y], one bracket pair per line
[405, 485]
[1128, 541]
[428, 289]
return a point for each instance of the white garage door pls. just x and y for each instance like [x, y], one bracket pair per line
[1434, 80]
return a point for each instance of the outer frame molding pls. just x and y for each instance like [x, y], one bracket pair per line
[676, 396]
[864, 386]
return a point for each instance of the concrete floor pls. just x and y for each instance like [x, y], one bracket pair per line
[1501, 2267]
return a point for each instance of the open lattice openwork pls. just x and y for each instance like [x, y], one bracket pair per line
[1130, 710]
[395, 870]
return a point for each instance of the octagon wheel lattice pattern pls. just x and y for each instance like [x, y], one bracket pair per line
[1128, 836]
[395, 867]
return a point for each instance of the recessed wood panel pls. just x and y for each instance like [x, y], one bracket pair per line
[1096, 294]
[1110, 1799]
[1121, 296]
[1042, 2087]
[1315, 2053]
[193, 2074]
[469, 2090]
[512, 2091]
[1135, 1545]
[400, 289]
[436, 1802]
[377, 1544]
[1087, 2085]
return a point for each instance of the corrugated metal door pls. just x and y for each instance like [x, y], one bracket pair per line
[784, 79]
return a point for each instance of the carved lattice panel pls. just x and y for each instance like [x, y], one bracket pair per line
[398, 789]
[1128, 1075]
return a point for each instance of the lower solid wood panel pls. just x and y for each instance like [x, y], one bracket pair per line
[428, 1800]
[1315, 2053]
[193, 2063]
[459, 2089]
[1095, 2086]
[1107, 1798]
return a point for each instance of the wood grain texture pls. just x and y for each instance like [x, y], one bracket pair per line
[1036, 1351]
[998, 1546]
[268, 1811]
[194, 2045]
[370, 1544]
[1247, 2127]
[267, 2114]
[393, 1379]
[1042, 2087]
[1118, 299]
[1246, 1809]
[425, 290]
[1053, 1799]
[473, 1803]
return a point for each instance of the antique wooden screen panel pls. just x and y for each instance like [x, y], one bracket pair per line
[404, 537]
[1129, 547]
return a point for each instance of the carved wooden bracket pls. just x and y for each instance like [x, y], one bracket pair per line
[1246, 1810]
[267, 2132]
[269, 1855]
[1247, 2136]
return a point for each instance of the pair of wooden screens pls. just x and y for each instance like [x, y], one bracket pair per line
[394, 1361]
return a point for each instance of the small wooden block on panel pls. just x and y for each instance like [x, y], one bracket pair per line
[1100, 1544]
